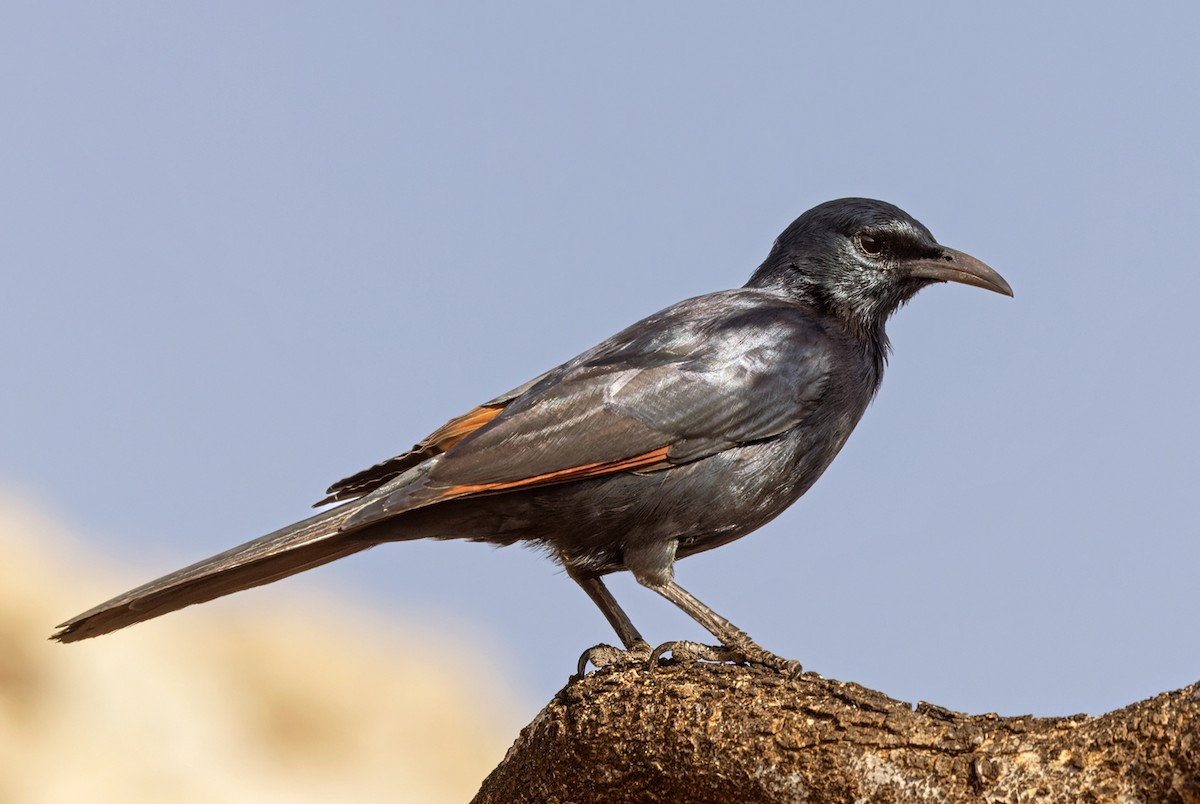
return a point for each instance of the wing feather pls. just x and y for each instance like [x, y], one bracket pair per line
[696, 379]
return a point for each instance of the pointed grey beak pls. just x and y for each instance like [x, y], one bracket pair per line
[955, 266]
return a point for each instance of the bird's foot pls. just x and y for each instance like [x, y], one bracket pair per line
[609, 656]
[684, 651]
[641, 655]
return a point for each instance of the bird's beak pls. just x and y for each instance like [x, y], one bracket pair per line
[955, 266]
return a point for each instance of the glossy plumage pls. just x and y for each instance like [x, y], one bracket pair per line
[678, 434]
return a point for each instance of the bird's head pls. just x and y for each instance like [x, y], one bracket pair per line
[861, 259]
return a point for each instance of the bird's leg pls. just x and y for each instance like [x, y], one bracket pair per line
[636, 648]
[736, 645]
[608, 606]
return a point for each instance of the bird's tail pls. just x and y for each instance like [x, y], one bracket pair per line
[306, 544]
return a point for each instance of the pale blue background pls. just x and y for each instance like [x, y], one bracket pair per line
[249, 249]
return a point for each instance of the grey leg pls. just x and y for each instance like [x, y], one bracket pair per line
[737, 644]
[612, 612]
[635, 646]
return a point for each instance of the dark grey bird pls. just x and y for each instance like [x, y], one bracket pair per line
[681, 433]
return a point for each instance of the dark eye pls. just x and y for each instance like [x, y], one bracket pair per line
[871, 246]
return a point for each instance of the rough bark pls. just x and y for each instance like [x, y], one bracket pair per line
[702, 732]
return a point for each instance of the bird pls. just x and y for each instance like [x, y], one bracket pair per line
[681, 433]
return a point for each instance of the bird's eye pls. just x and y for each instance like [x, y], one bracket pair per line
[871, 246]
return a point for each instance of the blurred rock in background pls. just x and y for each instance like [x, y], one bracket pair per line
[286, 699]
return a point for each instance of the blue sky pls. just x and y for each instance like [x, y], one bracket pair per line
[248, 250]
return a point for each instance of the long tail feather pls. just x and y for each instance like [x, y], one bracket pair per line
[306, 544]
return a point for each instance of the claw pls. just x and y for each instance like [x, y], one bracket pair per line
[608, 656]
[685, 651]
[694, 651]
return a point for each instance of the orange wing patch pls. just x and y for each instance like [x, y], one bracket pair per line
[436, 443]
[459, 428]
[655, 459]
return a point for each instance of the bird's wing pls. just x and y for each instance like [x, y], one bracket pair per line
[435, 443]
[696, 379]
